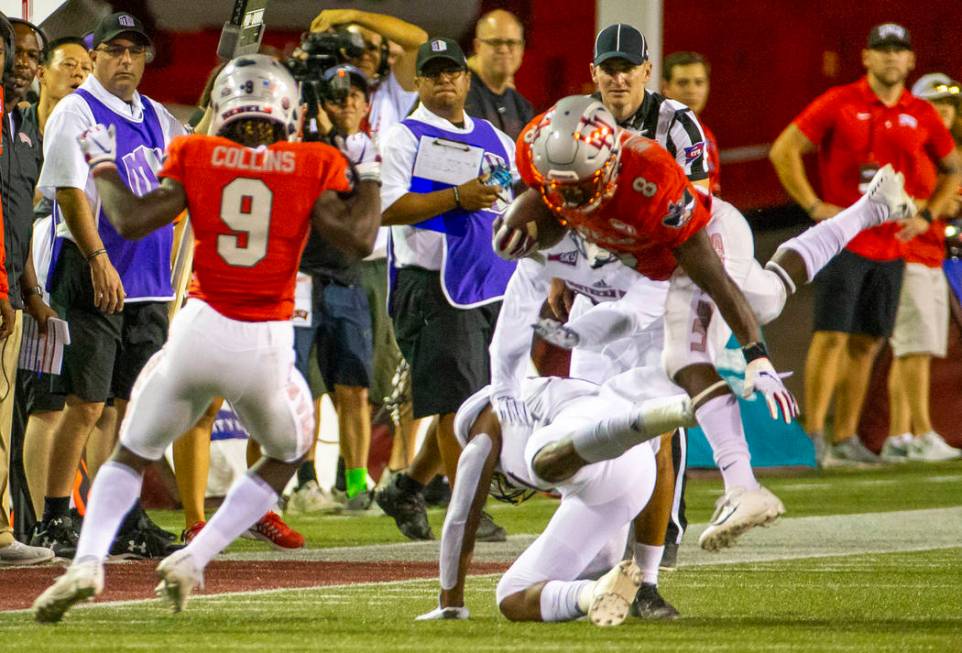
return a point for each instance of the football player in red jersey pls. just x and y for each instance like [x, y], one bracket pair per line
[626, 193]
[252, 197]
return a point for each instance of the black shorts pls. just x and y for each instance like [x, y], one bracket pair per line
[341, 329]
[106, 352]
[37, 395]
[854, 294]
[446, 347]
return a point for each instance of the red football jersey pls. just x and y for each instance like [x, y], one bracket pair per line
[250, 210]
[653, 210]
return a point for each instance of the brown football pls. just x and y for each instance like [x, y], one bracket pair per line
[530, 213]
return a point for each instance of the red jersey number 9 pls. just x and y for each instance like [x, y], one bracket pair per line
[245, 207]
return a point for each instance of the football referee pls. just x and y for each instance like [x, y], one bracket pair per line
[620, 70]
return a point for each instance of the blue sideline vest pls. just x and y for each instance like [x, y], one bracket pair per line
[143, 265]
[471, 273]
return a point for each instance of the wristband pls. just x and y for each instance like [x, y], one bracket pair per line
[94, 254]
[754, 351]
[457, 196]
[926, 215]
[812, 208]
[30, 292]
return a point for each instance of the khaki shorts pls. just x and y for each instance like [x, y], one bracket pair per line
[922, 321]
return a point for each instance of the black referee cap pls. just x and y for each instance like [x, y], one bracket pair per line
[621, 41]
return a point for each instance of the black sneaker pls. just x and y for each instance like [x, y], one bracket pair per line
[669, 559]
[137, 543]
[57, 534]
[488, 531]
[649, 604]
[408, 509]
[437, 493]
[146, 523]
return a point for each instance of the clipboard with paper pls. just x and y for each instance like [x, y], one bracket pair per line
[446, 162]
[43, 353]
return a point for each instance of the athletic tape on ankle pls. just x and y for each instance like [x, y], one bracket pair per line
[470, 466]
[698, 399]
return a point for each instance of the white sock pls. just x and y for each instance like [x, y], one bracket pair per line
[819, 244]
[114, 492]
[559, 600]
[612, 436]
[721, 422]
[648, 559]
[246, 502]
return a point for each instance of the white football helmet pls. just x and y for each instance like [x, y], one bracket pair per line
[254, 86]
[575, 151]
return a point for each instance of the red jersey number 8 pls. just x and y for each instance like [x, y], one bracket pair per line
[245, 207]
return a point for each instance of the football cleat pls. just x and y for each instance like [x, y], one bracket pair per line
[179, 576]
[737, 511]
[887, 188]
[271, 529]
[488, 531]
[407, 508]
[82, 581]
[613, 593]
[649, 604]
[58, 534]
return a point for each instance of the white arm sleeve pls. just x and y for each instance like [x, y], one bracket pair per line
[470, 468]
[511, 342]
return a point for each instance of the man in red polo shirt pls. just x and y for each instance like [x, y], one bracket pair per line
[856, 128]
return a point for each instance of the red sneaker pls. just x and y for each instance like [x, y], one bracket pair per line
[272, 529]
[189, 534]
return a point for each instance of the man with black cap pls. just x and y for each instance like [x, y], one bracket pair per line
[112, 292]
[446, 177]
[858, 128]
[620, 70]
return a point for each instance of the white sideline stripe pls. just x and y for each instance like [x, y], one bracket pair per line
[796, 538]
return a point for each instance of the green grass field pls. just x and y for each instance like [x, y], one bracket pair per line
[864, 561]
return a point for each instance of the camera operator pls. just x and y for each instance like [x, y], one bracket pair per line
[392, 93]
[340, 323]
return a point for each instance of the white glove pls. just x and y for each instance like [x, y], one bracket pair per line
[511, 244]
[99, 145]
[361, 152]
[761, 377]
[511, 411]
[440, 613]
[556, 333]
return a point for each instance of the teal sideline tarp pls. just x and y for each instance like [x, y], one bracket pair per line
[772, 443]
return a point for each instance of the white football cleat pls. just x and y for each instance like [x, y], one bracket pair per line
[81, 582]
[888, 189]
[178, 578]
[737, 511]
[613, 593]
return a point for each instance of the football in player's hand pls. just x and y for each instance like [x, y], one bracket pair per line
[530, 213]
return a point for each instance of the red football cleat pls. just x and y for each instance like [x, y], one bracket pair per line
[272, 529]
[189, 534]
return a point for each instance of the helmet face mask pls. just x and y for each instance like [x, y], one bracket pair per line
[254, 86]
[575, 151]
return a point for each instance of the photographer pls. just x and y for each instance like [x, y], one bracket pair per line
[392, 86]
[340, 319]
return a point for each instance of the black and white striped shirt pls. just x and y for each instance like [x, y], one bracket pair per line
[674, 126]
